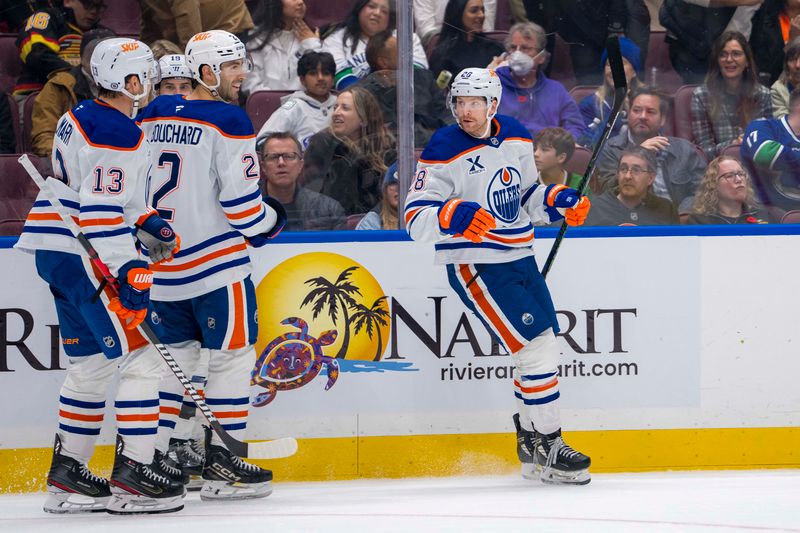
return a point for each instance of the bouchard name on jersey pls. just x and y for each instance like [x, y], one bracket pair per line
[498, 173]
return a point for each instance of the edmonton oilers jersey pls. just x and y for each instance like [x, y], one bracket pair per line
[498, 173]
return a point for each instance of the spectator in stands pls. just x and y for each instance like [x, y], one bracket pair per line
[384, 215]
[176, 78]
[348, 160]
[596, 107]
[430, 111]
[14, 13]
[528, 95]
[62, 92]
[679, 167]
[281, 167]
[51, 41]
[304, 113]
[348, 42]
[632, 202]
[280, 37]
[788, 80]
[163, 47]
[429, 15]
[730, 97]
[725, 196]
[587, 24]
[8, 138]
[772, 151]
[775, 24]
[179, 20]
[552, 148]
[462, 43]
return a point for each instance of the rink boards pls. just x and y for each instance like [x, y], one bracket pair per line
[679, 350]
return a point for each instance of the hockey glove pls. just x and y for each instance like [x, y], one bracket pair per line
[157, 236]
[561, 196]
[130, 305]
[257, 241]
[576, 216]
[469, 219]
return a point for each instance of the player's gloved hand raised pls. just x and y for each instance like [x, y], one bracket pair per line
[458, 217]
[257, 241]
[157, 236]
[130, 305]
[577, 206]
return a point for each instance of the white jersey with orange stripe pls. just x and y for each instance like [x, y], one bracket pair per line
[100, 160]
[204, 182]
[498, 173]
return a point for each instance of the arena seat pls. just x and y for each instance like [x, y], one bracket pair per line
[791, 217]
[659, 71]
[579, 92]
[10, 64]
[578, 163]
[353, 220]
[734, 151]
[123, 17]
[261, 104]
[12, 105]
[682, 114]
[17, 189]
[27, 122]
[562, 69]
[11, 227]
[503, 19]
[320, 13]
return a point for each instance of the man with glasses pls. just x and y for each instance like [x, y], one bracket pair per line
[51, 39]
[632, 202]
[679, 166]
[772, 150]
[528, 95]
[281, 167]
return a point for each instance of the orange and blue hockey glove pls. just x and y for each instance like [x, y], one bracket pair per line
[130, 305]
[576, 216]
[157, 236]
[577, 206]
[469, 219]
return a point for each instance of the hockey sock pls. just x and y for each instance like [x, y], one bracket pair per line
[171, 391]
[524, 421]
[81, 404]
[137, 404]
[228, 389]
[536, 382]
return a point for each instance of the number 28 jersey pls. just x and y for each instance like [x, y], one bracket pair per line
[204, 181]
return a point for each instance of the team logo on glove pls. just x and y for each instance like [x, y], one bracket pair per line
[167, 233]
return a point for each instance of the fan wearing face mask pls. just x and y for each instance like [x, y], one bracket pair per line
[528, 95]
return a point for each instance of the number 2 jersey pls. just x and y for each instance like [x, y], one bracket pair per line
[204, 182]
[498, 173]
[100, 161]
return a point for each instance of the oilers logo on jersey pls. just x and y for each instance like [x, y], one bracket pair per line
[502, 194]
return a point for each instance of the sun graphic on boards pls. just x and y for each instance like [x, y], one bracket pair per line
[322, 284]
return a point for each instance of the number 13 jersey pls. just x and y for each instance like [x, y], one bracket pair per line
[204, 181]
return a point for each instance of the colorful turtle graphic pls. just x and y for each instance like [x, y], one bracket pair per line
[292, 360]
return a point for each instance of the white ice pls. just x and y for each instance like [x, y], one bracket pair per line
[765, 500]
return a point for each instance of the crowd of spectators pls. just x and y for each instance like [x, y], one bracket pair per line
[328, 151]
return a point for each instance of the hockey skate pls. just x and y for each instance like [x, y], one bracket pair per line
[189, 455]
[71, 486]
[227, 477]
[526, 443]
[164, 466]
[558, 463]
[136, 489]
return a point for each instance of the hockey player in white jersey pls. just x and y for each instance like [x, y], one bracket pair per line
[205, 183]
[476, 195]
[175, 76]
[101, 159]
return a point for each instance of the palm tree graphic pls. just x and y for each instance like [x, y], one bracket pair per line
[334, 296]
[372, 317]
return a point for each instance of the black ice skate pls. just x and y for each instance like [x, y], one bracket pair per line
[190, 456]
[71, 486]
[136, 489]
[227, 477]
[526, 443]
[558, 463]
[164, 466]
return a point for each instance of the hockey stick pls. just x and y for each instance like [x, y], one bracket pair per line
[272, 449]
[620, 89]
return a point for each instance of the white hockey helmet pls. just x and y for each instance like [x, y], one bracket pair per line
[113, 60]
[476, 82]
[174, 66]
[213, 48]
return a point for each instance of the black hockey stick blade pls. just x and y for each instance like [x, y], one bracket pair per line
[620, 90]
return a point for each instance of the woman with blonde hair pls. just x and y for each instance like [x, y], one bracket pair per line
[725, 196]
[347, 161]
[384, 215]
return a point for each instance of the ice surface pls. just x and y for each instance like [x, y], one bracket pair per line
[767, 500]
